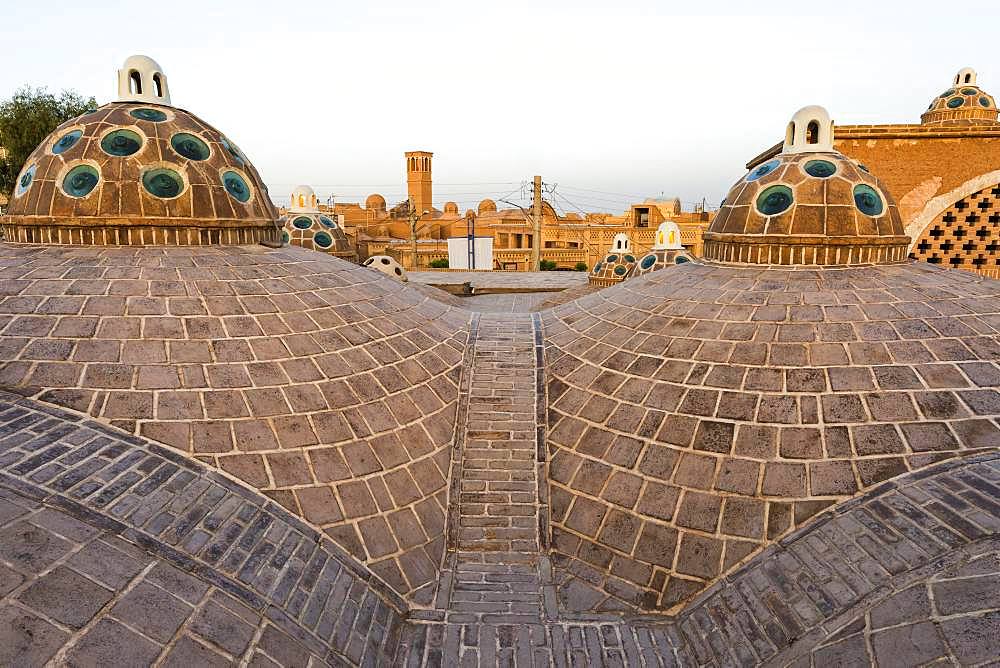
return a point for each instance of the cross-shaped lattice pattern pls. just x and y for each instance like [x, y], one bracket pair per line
[966, 235]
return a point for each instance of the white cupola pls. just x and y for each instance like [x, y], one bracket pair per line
[668, 236]
[141, 79]
[965, 77]
[621, 243]
[302, 200]
[809, 131]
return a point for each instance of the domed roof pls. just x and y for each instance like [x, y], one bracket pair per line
[668, 236]
[133, 173]
[302, 200]
[809, 205]
[451, 207]
[964, 101]
[141, 79]
[487, 206]
[375, 202]
[317, 231]
[616, 265]
[386, 265]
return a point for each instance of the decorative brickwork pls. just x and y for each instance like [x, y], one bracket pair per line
[966, 235]
[701, 412]
[328, 386]
[212, 195]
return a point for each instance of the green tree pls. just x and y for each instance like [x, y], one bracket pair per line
[547, 265]
[580, 266]
[26, 118]
[440, 263]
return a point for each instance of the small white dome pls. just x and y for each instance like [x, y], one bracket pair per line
[141, 79]
[620, 243]
[965, 77]
[387, 266]
[303, 200]
[809, 131]
[668, 236]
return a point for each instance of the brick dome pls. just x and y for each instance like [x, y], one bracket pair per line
[140, 173]
[809, 205]
[698, 413]
[963, 102]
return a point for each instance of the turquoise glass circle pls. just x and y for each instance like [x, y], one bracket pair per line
[232, 150]
[162, 182]
[955, 102]
[611, 258]
[620, 270]
[23, 183]
[302, 223]
[236, 186]
[80, 181]
[598, 267]
[121, 143]
[821, 169]
[629, 258]
[774, 199]
[984, 101]
[190, 146]
[285, 238]
[67, 141]
[328, 222]
[763, 170]
[868, 200]
[680, 259]
[322, 239]
[144, 114]
[969, 91]
[861, 167]
[648, 261]
[948, 93]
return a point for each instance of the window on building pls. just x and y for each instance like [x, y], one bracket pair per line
[135, 83]
[812, 133]
[642, 217]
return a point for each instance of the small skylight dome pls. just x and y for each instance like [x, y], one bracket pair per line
[668, 236]
[303, 200]
[141, 79]
[809, 131]
[621, 243]
[965, 77]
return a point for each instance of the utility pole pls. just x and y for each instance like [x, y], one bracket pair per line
[536, 226]
[414, 217]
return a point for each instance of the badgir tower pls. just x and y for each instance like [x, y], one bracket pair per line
[221, 443]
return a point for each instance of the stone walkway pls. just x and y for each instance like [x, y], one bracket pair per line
[503, 280]
[114, 550]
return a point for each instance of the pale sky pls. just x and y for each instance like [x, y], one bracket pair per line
[608, 101]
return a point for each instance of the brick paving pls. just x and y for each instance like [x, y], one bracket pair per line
[494, 280]
[115, 550]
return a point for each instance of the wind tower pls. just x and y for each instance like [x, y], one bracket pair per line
[418, 180]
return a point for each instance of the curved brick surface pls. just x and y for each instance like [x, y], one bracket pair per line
[327, 386]
[702, 412]
[116, 550]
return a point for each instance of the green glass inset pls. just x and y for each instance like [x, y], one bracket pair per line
[144, 114]
[597, 268]
[629, 258]
[955, 102]
[302, 223]
[24, 182]
[763, 170]
[326, 221]
[190, 146]
[121, 143]
[285, 238]
[680, 259]
[620, 270]
[820, 168]
[868, 200]
[67, 141]
[163, 182]
[80, 181]
[948, 93]
[236, 186]
[322, 239]
[774, 199]
[232, 150]
[970, 91]
[984, 101]
[648, 261]
[611, 258]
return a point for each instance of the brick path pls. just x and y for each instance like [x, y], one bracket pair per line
[113, 549]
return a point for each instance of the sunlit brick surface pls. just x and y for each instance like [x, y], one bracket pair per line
[699, 413]
[328, 386]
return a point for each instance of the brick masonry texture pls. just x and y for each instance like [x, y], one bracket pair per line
[114, 549]
[327, 386]
[110, 541]
[702, 413]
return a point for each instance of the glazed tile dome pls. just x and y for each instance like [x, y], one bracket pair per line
[616, 265]
[809, 205]
[963, 102]
[139, 172]
[701, 412]
[666, 251]
[316, 231]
